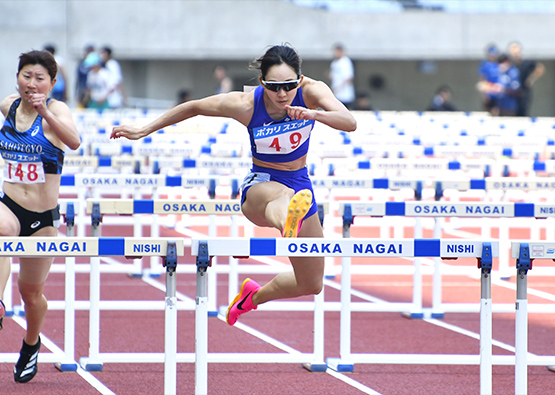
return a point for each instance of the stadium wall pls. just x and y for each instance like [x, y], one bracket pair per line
[167, 45]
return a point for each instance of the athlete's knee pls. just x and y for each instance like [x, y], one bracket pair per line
[311, 288]
[31, 294]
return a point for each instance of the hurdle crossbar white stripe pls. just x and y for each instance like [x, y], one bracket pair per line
[165, 206]
[86, 246]
[353, 247]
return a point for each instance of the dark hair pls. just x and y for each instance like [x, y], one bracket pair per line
[108, 50]
[50, 48]
[276, 55]
[44, 58]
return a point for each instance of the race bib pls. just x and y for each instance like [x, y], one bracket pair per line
[282, 138]
[23, 168]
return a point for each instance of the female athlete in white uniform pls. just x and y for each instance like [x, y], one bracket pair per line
[279, 115]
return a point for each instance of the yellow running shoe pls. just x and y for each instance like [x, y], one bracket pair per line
[297, 210]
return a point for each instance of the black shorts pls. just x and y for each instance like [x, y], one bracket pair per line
[32, 221]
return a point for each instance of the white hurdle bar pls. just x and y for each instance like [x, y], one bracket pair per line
[525, 253]
[211, 208]
[206, 248]
[95, 247]
[437, 210]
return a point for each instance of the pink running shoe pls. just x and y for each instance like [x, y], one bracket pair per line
[2, 314]
[297, 210]
[242, 302]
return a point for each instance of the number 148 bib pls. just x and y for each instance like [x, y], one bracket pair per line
[23, 168]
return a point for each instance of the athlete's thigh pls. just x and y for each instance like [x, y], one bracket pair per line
[9, 224]
[35, 270]
[258, 197]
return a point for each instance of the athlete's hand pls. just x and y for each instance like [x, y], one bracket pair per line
[38, 101]
[129, 132]
[300, 112]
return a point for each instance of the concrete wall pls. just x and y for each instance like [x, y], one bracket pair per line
[166, 45]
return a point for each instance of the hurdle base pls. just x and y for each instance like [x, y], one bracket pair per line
[151, 273]
[90, 367]
[66, 367]
[438, 316]
[412, 316]
[212, 313]
[135, 275]
[340, 365]
[315, 367]
[330, 276]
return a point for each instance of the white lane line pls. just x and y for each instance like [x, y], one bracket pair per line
[49, 344]
[276, 343]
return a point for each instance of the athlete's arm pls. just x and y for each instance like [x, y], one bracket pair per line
[6, 103]
[316, 95]
[236, 105]
[60, 121]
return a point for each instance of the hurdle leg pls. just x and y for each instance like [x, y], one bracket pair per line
[344, 363]
[485, 333]
[201, 322]
[68, 364]
[521, 334]
[437, 309]
[92, 363]
[318, 364]
[170, 331]
[213, 275]
[417, 311]
[233, 279]
[137, 270]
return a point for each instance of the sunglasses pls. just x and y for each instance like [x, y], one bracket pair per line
[286, 86]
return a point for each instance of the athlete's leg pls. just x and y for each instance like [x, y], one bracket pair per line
[32, 276]
[9, 226]
[307, 276]
[266, 204]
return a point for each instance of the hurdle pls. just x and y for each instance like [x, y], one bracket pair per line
[525, 253]
[95, 247]
[206, 248]
[437, 210]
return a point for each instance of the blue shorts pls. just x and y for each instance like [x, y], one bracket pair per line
[296, 180]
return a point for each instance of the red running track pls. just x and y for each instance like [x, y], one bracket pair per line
[371, 333]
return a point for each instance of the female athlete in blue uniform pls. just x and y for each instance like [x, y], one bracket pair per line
[279, 115]
[32, 142]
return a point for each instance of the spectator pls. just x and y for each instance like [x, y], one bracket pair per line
[81, 91]
[530, 71]
[98, 82]
[488, 72]
[183, 96]
[342, 76]
[59, 92]
[510, 88]
[225, 84]
[116, 95]
[442, 100]
[362, 103]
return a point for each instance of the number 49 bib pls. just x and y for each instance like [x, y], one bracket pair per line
[23, 168]
[282, 138]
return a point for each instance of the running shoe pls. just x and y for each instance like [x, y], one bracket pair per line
[297, 210]
[242, 302]
[2, 314]
[26, 367]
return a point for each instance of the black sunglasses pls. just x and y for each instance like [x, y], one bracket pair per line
[286, 86]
